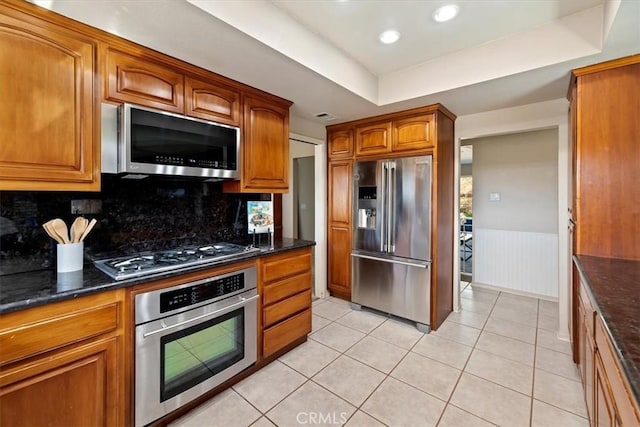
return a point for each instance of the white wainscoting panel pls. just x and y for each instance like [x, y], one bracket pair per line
[521, 261]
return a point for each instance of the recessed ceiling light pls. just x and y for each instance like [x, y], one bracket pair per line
[445, 13]
[389, 36]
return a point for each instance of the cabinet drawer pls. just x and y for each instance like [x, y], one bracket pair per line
[285, 308]
[277, 291]
[284, 333]
[50, 333]
[288, 264]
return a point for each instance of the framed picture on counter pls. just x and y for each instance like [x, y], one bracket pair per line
[259, 217]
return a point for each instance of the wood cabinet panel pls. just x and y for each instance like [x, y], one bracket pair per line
[212, 102]
[284, 333]
[48, 118]
[373, 139]
[413, 133]
[340, 188]
[607, 162]
[75, 387]
[286, 308]
[282, 289]
[287, 264]
[32, 339]
[144, 82]
[265, 150]
[627, 412]
[339, 262]
[340, 144]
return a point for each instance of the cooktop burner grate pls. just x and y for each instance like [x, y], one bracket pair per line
[166, 260]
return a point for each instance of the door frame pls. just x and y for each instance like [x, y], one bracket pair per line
[320, 226]
[530, 117]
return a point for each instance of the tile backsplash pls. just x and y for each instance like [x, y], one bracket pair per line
[135, 215]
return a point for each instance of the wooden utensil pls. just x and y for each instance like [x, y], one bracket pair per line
[61, 229]
[77, 228]
[88, 229]
[51, 232]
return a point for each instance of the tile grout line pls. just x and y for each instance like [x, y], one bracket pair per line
[462, 371]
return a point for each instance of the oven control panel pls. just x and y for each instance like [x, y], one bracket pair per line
[191, 295]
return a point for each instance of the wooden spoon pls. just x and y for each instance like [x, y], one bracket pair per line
[88, 229]
[61, 229]
[77, 228]
[51, 232]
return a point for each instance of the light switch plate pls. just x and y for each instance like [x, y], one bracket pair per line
[494, 197]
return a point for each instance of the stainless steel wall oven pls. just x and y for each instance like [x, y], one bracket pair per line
[190, 338]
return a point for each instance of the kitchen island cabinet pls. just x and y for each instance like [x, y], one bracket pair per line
[65, 364]
[49, 122]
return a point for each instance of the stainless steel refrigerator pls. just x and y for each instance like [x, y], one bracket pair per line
[391, 250]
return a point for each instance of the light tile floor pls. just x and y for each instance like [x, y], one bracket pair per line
[496, 362]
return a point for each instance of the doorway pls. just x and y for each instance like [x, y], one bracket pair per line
[304, 206]
[466, 215]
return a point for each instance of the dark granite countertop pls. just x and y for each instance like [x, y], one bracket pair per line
[24, 290]
[615, 287]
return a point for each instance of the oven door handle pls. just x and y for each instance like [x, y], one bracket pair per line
[242, 301]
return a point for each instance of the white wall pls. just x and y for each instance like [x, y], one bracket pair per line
[521, 168]
[296, 149]
[543, 115]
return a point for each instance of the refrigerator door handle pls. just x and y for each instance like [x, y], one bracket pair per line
[383, 210]
[393, 261]
[391, 238]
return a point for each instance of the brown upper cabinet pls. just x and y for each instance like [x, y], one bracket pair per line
[394, 136]
[48, 118]
[413, 133]
[144, 82]
[373, 139]
[150, 83]
[265, 147]
[213, 102]
[340, 144]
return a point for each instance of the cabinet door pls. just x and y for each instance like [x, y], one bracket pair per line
[340, 188]
[339, 262]
[47, 112]
[265, 150]
[604, 411]
[73, 387]
[143, 82]
[212, 102]
[373, 139]
[340, 144]
[413, 133]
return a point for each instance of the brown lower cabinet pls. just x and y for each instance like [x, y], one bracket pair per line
[285, 287]
[63, 364]
[607, 393]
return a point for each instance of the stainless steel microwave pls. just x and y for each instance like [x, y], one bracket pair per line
[142, 141]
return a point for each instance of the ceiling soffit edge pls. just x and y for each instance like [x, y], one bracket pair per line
[269, 25]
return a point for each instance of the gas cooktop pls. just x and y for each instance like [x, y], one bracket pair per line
[147, 263]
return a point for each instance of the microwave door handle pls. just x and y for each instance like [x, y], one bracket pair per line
[242, 301]
[383, 204]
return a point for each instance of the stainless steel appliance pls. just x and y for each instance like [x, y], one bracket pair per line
[391, 252]
[146, 263]
[190, 338]
[142, 141]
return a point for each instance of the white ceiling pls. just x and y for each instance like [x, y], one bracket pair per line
[324, 55]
